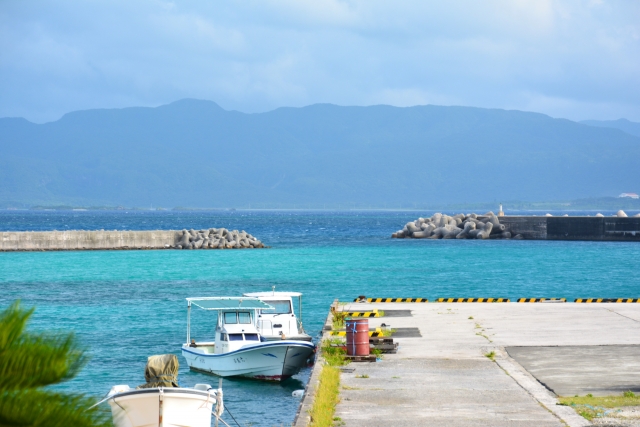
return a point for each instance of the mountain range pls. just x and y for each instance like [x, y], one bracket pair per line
[624, 125]
[194, 153]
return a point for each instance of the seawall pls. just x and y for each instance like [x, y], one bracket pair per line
[490, 226]
[87, 240]
[73, 240]
[573, 227]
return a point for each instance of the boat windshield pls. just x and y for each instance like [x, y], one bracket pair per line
[243, 317]
[230, 318]
[279, 307]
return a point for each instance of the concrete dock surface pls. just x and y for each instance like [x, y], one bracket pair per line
[604, 370]
[444, 378]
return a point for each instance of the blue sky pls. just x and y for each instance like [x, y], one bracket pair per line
[573, 59]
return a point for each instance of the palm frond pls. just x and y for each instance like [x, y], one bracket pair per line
[32, 360]
[36, 408]
[13, 322]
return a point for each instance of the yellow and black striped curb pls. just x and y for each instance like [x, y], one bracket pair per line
[372, 313]
[344, 333]
[362, 313]
[473, 300]
[394, 300]
[521, 300]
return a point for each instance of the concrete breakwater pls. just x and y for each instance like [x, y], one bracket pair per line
[217, 238]
[461, 226]
[213, 238]
[615, 228]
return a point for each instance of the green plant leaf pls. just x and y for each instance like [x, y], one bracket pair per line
[34, 360]
[36, 408]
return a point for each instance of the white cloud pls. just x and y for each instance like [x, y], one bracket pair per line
[571, 59]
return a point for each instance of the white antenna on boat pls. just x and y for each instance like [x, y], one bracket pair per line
[273, 290]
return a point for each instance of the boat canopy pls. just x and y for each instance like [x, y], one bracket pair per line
[272, 294]
[228, 303]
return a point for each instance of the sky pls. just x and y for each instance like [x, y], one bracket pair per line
[572, 59]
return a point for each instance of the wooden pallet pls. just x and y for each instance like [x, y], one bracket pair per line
[380, 340]
[370, 358]
[386, 348]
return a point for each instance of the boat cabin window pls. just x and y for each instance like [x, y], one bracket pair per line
[223, 337]
[279, 307]
[231, 317]
[251, 337]
[235, 337]
[244, 317]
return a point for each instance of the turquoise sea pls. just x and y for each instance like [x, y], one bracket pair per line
[127, 305]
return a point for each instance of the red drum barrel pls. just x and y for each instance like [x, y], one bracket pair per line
[357, 337]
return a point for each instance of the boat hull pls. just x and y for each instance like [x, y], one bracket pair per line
[178, 408]
[271, 361]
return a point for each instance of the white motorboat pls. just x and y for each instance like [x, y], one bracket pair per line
[161, 403]
[280, 321]
[162, 407]
[238, 348]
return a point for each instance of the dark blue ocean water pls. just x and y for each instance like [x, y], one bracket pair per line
[127, 305]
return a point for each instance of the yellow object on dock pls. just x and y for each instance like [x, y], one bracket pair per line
[473, 300]
[393, 300]
[373, 313]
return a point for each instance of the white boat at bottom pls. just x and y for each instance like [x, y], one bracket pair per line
[163, 407]
[160, 402]
[239, 349]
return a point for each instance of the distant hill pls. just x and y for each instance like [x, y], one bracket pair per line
[194, 153]
[632, 128]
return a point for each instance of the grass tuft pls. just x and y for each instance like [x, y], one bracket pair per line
[326, 399]
[334, 356]
[491, 355]
[362, 376]
[591, 407]
[338, 319]
[388, 332]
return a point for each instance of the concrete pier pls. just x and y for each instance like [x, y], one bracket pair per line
[444, 377]
[86, 240]
[121, 240]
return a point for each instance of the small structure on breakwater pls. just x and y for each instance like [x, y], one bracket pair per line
[73, 240]
[619, 227]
